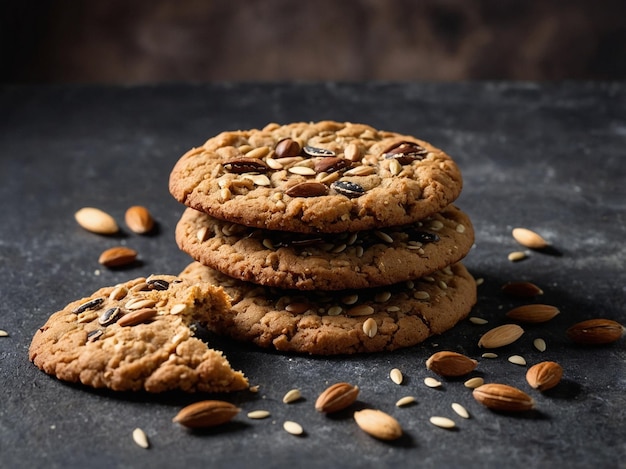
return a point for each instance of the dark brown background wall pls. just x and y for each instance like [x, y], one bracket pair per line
[126, 41]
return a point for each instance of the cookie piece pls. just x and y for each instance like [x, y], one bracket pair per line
[330, 323]
[316, 177]
[138, 336]
[327, 261]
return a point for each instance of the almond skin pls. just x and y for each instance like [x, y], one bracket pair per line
[521, 289]
[544, 375]
[503, 397]
[205, 414]
[138, 219]
[595, 332]
[501, 336]
[446, 363]
[535, 313]
[378, 424]
[529, 238]
[336, 397]
[117, 256]
[97, 221]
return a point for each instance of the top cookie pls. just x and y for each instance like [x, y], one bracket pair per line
[316, 177]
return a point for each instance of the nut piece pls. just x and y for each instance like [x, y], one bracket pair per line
[503, 397]
[137, 317]
[529, 238]
[336, 397]
[117, 256]
[544, 375]
[95, 220]
[595, 332]
[206, 414]
[536, 313]
[139, 220]
[450, 364]
[501, 336]
[378, 424]
[521, 289]
[307, 189]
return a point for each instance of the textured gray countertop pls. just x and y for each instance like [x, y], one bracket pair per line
[547, 157]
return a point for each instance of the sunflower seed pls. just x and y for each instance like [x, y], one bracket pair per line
[158, 284]
[109, 316]
[315, 151]
[406, 152]
[91, 304]
[140, 438]
[348, 189]
[94, 335]
[242, 164]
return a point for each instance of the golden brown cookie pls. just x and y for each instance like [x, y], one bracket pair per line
[335, 261]
[316, 177]
[138, 335]
[346, 322]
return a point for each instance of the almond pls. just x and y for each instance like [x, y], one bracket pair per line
[521, 289]
[595, 332]
[137, 317]
[307, 189]
[336, 397]
[378, 424]
[544, 375]
[450, 364]
[95, 220]
[503, 397]
[501, 336]
[138, 219]
[206, 414]
[529, 238]
[535, 313]
[117, 256]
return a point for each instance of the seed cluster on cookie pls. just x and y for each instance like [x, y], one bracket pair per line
[320, 233]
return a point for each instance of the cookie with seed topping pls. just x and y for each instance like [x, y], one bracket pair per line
[138, 335]
[345, 322]
[321, 261]
[316, 177]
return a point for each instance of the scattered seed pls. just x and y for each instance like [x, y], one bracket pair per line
[529, 238]
[540, 344]
[396, 376]
[292, 396]
[383, 236]
[94, 335]
[382, 297]
[517, 360]
[293, 428]
[404, 401]
[489, 355]
[432, 382]
[258, 414]
[479, 321]
[140, 438]
[474, 382]
[109, 316]
[157, 284]
[91, 304]
[4, 333]
[370, 328]
[442, 422]
[460, 228]
[460, 410]
[347, 188]
[178, 308]
[360, 310]
[480, 281]
[421, 295]
[350, 299]
[516, 256]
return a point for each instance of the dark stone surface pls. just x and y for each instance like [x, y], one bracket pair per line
[550, 158]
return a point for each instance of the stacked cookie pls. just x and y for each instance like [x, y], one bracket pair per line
[329, 237]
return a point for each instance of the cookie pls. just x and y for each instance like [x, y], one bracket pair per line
[316, 177]
[330, 323]
[327, 261]
[138, 335]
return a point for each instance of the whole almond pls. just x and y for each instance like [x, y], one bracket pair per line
[595, 332]
[336, 397]
[529, 238]
[503, 397]
[117, 256]
[205, 414]
[136, 317]
[97, 221]
[544, 375]
[500, 336]
[521, 289]
[138, 219]
[307, 189]
[378, 424]
[535, 313]
[446, 363]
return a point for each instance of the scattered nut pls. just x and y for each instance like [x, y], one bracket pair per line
[139, 220]
[447, 363]
[206, 414]
[503, 397]
[500, 336]
[595, 332]
[336, 397]
[544, 375]
[95, 220]
[117, 256]
[378, 424]
[535, 313]
[529, 238]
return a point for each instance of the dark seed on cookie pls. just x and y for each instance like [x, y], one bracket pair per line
[347, 188]
[406, 152]
[109, 316]
[94, 335]
[424, 237]
[91, 304]
[245, 165]
[314, 151]
[287, 147]
[158, 284]
[331, 165]
[307, 189]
